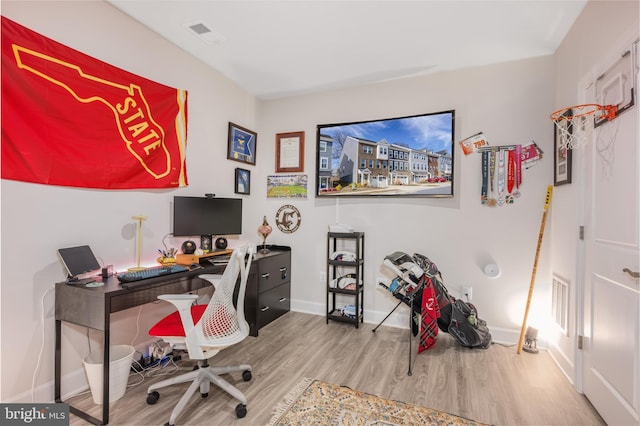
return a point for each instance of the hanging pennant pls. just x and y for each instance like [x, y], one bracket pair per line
[473, 143]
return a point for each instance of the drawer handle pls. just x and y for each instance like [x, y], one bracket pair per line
[266, 275]
[283, 273]
[265, 309]
[284, 299]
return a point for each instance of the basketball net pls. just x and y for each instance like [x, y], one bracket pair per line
[575, 124]
[605, 138]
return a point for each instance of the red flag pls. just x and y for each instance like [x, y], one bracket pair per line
[69, 119]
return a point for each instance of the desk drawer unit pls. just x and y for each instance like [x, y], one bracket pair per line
[268, 293]
[273, 271]
[273, 304]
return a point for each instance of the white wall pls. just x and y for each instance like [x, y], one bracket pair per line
[602, 29]
[38, 219]
[509, 102]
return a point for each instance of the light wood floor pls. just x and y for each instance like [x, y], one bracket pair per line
[495, 386]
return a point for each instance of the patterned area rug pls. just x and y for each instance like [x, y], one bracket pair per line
[313, 402]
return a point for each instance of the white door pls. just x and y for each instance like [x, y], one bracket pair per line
[611, 345]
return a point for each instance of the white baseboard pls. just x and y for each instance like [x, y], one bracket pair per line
[565, 365]
[73, 383]
[400, 319]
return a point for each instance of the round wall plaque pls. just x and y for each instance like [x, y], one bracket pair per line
[288, 219]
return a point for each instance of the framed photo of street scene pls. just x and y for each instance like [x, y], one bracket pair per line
[410, 156]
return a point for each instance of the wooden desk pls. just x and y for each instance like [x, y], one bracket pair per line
[267, 298]
[92, 307]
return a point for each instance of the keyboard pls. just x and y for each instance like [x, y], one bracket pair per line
[155, 271]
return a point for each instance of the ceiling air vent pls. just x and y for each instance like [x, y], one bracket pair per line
[205, 33]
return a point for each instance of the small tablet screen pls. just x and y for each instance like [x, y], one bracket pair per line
[78, 260]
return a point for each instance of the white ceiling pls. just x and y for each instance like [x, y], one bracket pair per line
[281, 48]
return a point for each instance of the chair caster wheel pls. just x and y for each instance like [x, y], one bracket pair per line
[153, 397]
[168, 424]
[204, 395]
[241, 410]
[246, 375]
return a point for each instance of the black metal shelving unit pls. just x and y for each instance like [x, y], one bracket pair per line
[351, 242]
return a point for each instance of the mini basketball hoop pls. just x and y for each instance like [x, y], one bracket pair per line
[575, 124]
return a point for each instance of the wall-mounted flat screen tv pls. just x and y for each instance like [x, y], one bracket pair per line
[194, 216]
[406, 156]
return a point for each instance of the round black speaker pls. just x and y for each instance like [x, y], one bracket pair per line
[188, 247]
[221, 243]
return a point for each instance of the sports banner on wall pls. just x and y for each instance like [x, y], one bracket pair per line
[69, 119]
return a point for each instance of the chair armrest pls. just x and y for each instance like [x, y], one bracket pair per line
[178, 296]
[214, 279]
[183, 303]
[180, 301]
[210, 277]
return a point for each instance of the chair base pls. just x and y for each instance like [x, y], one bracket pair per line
[201, 379]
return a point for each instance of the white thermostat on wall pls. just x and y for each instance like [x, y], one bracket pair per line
[491, 270]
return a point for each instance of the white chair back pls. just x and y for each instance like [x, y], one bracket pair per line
[222, 323]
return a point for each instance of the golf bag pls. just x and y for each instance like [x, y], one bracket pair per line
[457, 317]
[412, 287]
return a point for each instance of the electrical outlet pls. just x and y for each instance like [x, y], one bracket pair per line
[323, 276]
[467, 292]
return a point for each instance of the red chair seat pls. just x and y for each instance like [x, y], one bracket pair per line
[171, 325]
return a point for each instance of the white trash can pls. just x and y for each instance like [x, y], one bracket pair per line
[120, 358]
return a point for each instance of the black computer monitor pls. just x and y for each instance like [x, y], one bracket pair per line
[194, 216]
[78, 260]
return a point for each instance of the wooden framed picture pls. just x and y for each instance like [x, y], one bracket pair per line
[242, 144]
[562, 156]
[242, 181]
[290, 152]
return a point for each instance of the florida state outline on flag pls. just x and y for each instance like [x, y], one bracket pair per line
[69, 119]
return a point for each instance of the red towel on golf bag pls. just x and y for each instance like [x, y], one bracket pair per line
[430, 314]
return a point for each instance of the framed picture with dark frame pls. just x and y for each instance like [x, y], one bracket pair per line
[242, 181]
[409, 156]
[290, 152]
[241, 144]
[562, 155]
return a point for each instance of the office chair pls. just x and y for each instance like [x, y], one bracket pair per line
[204, 330]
